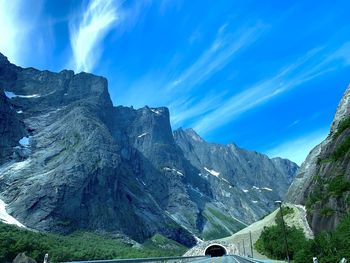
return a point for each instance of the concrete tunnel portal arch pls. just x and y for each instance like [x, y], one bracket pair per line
[215, 250]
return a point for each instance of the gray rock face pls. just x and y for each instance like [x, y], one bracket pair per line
[11, 123]
[79, 174]
[70, 160]
[322, 178]
[249, 180]
[297, 191]
[343, 111]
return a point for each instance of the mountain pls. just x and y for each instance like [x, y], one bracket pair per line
[70, 160]
[249, 180]
[323, 181]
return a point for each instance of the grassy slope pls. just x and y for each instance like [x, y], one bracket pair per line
[221, 225]
[79, 246]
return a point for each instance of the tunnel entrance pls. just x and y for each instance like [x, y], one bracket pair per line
[215, 251]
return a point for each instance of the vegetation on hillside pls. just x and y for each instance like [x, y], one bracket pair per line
[287, 211]
[271, 241]
[341, 150]
[79, 246]
[223, 225]
[328, 247]
[343, 125]
[325, 188]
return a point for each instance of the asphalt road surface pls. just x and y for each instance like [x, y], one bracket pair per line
[224, 259]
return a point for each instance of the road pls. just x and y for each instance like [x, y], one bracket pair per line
[224, 259]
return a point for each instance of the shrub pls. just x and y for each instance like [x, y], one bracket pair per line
[343, 125]
[317, 195]
[328, 247]
[341, 150]
[337, 186]
[271, 241]
[327, 211]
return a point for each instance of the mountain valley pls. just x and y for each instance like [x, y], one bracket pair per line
[70, 160]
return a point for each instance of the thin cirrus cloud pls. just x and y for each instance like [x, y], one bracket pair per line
[217, 56]
[315, 63]
[221, 52]
[87, 34]
[187, 108]
[183, 81]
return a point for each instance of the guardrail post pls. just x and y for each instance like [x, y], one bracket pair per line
[243, 248]
[251, 243]
[46, 258]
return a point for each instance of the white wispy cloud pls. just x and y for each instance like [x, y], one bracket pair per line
[186, 108]
[297, 149]
[87, 34]
[294, 123]
[16, 28]
[220, 52]
[316, 62]
[173, 85]
[217, 56]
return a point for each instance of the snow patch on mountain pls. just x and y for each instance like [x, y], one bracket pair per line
[225, 180]
[19, 165]
[24, 141]
[11, 95]
[143, 134]
[173, 170]
[6, 218]
[212, 172]
[156, 111]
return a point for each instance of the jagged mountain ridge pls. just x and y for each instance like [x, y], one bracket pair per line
[241, 171]
[323, 181]
[71, 160]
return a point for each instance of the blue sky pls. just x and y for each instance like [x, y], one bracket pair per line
[266, 75]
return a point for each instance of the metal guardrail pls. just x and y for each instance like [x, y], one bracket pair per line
[253, 260]
[130, 260]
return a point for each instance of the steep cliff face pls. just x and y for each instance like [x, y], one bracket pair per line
[249, 180]
[323, 182]
[11, 123]
[160, 166]
[75, 174]
[70, 160]
[11, 128]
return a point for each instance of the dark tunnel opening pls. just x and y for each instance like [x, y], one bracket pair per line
[215, 251]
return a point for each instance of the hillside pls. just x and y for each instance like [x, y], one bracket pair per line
[80, 246]
[323, 181]
[235, 242]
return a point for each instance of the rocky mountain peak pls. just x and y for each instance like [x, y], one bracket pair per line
[189, 133]
[160, 111]
[143, 126]
[256, 178]
[3, 59]
[343, 110]
[194, 135]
